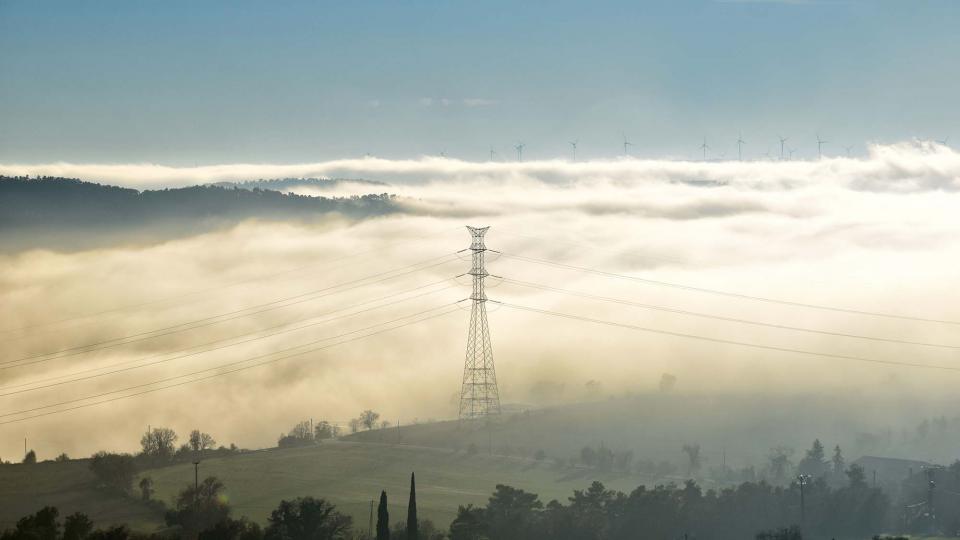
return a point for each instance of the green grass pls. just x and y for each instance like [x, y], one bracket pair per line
[352, 474]
[71, 487]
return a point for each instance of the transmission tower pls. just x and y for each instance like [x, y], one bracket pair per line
[479, 395]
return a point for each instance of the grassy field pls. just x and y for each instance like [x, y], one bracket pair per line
[352, 474]
[71, 487]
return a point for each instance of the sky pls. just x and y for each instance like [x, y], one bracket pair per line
[199, 83]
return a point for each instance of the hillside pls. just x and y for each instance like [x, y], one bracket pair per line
[737, 430]
[69, 213]
[352, 474]
[286, 184]
[71, 487]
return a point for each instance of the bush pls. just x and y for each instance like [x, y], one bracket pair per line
[114, 470]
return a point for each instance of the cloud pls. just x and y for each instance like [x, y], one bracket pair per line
[906, 167]
[465, 102]
[480, 102]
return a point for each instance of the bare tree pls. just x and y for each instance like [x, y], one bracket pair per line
[159, 442]
[369, 419]
[201, 441]
[693, 457]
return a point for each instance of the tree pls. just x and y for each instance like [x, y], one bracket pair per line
[77, 526]
[324, 430]
[413, 527]
[306, 518]
[469, 524]
[837, 461]
[369, 419]
[693, 458]
[114, 470]
[199, 507]
[302, 430]
[146, 488]
[780, 462]
[201, 441]
[588, 456]
[383, 518]
[511, 513]
[62, 457]
[793, 533]
[302, 434]
[159, 443]
[30, 457]
[814, 462]
[42, 525]
[858, 478]
[384, 424]
[232, 529]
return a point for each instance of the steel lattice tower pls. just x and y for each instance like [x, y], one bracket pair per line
[479, 395]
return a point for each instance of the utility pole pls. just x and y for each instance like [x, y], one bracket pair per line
[803, 479]
[196, 476]
[479, 395]
[931, 484]
[370, 524]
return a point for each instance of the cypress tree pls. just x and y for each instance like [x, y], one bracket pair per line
[383, 518]
[413, 528]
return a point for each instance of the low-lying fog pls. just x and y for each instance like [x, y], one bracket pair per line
[874, 235]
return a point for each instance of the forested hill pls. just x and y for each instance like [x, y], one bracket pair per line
[39, 212]
[286, 184]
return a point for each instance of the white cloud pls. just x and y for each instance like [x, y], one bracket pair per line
[479, 102]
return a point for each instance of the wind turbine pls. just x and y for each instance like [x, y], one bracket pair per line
[574, 145]
[820, 143]
[492, 153]
[704, 147]
[626, 143]
[791, 151]
[783, 141]
[944, 141]
[740, 143]
[519, 149]
[849, 149]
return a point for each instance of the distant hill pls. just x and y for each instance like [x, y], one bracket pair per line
[286, 184]
[69, 213]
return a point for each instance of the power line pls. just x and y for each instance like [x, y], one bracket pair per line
[727, 293]
[229, 364]
[724, 318]
[186, 355]
[725, 341]
[209, 289]
[221, 340]
[236, 314]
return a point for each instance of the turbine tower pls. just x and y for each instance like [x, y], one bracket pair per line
[820, 143]
[479, 395]
[574, 145]
[519, 149]
[783, 140]
[740, 143]
[492, 153]
[704, 147]
[626, 143]
[849, 149]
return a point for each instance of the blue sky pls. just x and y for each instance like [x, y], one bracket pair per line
[185, 83]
